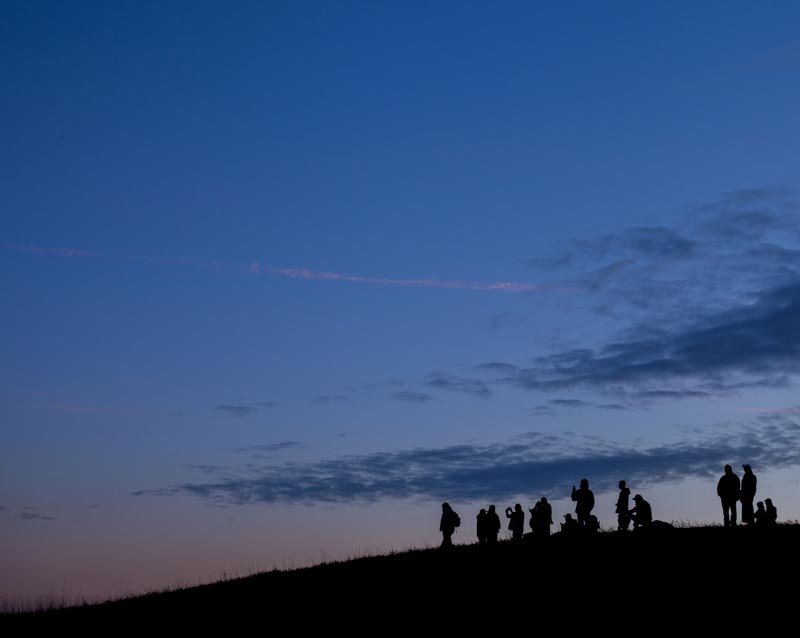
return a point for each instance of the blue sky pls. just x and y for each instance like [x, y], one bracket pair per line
[280, 277]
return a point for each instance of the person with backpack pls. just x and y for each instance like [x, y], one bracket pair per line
[447, 526]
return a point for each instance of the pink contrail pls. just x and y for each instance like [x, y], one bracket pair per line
[506, 286]
[256, 268]
[44, 250]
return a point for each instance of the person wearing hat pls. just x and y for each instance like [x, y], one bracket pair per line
[747, 494]
[728, 490]
[641, 514]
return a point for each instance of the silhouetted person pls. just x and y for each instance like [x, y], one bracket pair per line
[747, 494]
[516, 522]
[728, 490]
[570, 525]
[623, 520]
[447, 526]
[592, 525]
[760, 515]
[771, 517]
[492, 525]
[642, 513]
[544, 517]
[534, 519]
[584, 498]
[481, 527]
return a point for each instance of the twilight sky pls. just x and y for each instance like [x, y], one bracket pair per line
[280, 277]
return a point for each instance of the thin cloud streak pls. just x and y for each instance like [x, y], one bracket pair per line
[502, 286]
[256, 268]
[93, 409]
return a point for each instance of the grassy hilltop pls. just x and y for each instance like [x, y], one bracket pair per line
[670, 576]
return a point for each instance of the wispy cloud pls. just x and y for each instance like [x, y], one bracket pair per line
[206, 468]
[473, 387]
[411, 397]
[614, 406]
[719, 254]
[503, 320]
[748, 346]
[78, 408]
[498, 367]
[327, 399]
[33, 516]
[271, 448]
[236, 410]
[570, 403]
[257, 268]
[534, 464]
[267, 404]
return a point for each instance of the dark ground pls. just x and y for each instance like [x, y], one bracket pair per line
[676, 580]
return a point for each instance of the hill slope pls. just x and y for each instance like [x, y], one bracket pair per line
[706, 574]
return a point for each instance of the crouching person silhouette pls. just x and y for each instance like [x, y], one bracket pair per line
[642, 513]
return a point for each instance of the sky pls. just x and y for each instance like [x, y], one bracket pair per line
[278, 278]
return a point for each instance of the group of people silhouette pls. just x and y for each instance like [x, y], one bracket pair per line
[729, 489]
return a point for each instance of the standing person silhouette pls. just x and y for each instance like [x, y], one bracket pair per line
[481, 527]
[584, 499]
[623, 518]
[728, 490]
[517, 522]
[447, 526]
[748, 494]
[771, 517]
[492, 525]
[545, 516]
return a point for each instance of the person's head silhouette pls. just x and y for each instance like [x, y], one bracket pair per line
[728, 469]
[445, 506]
[584, 484]
[518, 508]
[491, 509]
[622, 485]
